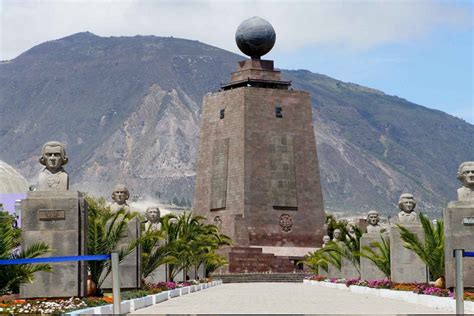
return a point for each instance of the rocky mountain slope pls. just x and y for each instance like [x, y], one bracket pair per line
[128, 109]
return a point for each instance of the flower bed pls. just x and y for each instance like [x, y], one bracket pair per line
[56, 306]
[418, 288]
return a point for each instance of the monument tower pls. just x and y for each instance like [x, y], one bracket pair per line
[257, 172]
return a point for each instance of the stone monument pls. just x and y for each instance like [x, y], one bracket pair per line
[405, 265]
[53, 177]
[326, 239]
[257, 167]
[120, 195]
[152, 224]
[407, 204]
[373, 220]
[459, 226]
[130, 267]
[368, 270]
[152, 215]
[58, 217]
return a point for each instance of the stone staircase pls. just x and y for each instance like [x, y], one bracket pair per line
[260, 277]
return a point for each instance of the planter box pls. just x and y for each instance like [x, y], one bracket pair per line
[106, 309]
[192, 288]
[175, 293]
[185, 290]
[89, 310]
[469, 306]
[161, 297]
[364, 290]
[125, 307]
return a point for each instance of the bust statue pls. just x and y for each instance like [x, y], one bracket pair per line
[407, 204]
[466, 176]
[53, 177]
[351, 230]
[120, 196]
[337, 235]
[326, 239]
[152, 215]
[373, 220]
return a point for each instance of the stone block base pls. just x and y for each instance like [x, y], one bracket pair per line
[368, 270]
[130, 267]
[459, 234]
[348, 270]
[59, 219]
[405, 265]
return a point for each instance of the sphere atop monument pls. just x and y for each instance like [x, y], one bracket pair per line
[255, 37]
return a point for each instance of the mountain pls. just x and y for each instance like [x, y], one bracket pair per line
[129, 108]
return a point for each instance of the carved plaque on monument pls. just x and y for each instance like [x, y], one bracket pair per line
[219, 173]
[51, 215]
[283, 173]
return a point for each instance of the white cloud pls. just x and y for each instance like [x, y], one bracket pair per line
[350, 25]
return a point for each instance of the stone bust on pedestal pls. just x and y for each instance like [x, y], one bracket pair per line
[466, 176]
[373, 220]
[53, 177]
[120, 195]
[152, 215]
[326, 239]
[407, 204]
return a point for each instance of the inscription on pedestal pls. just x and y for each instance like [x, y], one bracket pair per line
[51, 215]
[468, 221]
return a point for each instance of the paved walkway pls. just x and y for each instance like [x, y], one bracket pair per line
[284, 298]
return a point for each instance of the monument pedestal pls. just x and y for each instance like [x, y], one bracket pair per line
[368, 270]
[348, 270]
[459, 234]
[59, 219]
[130, 267]
[405, 265]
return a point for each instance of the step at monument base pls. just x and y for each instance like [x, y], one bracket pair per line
[261, 277]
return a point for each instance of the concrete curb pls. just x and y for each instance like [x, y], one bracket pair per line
[142, 302]
[410, 297]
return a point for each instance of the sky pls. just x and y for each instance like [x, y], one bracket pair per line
[418, 50]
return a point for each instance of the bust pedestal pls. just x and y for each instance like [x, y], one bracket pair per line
[59, 219]
[130, 267]
[368, 270]
[405, 265]
[459, 234]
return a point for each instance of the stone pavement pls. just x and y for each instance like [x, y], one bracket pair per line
[284, 298]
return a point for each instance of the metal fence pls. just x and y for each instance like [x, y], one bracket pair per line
[115, 269]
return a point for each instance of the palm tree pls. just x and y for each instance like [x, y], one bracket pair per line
[192, 243]
[11, 276]
[379, 254]
[153, 253]
[431, 249]
[105, 229]
[317, 261]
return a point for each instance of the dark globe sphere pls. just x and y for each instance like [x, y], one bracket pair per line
[255, 37]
